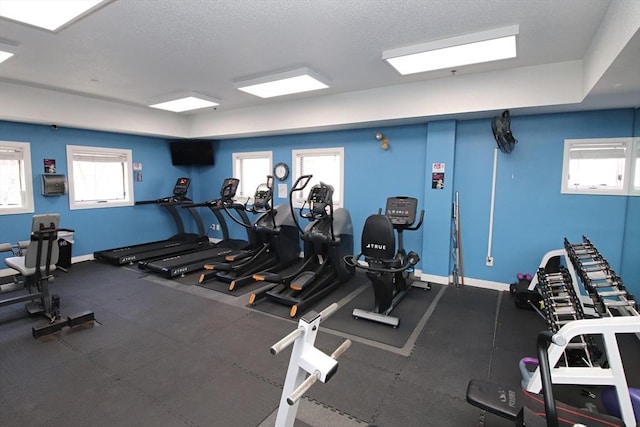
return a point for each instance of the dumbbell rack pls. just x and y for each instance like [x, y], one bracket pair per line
[562, 305]
[604, 286]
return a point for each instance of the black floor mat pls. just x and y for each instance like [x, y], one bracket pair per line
[410, 310]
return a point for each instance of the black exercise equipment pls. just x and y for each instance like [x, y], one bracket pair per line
[327, 240]
[604, 286]
[35, 271]
[531, 409]
[195, 260]
[181, 242]
[277, 243]
[390, 271]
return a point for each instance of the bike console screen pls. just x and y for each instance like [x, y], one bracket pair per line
[401, 210]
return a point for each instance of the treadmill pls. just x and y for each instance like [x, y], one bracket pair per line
[178, 243]
[184, 263]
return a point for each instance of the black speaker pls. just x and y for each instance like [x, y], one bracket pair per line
[53, 184]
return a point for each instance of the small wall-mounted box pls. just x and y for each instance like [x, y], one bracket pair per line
[53, 184]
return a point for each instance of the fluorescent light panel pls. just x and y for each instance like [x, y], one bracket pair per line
[474, 48]
[7, 51]
[47, 14]
[295, 81]
[186, 103]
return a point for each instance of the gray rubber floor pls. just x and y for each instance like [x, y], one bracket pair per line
[165, 353]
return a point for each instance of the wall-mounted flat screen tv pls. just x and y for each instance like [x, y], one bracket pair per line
[192, 152]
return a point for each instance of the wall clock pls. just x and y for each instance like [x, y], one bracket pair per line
[281, 171]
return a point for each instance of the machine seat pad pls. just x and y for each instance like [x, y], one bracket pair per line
[508, 402]
[17, 263]
[495, 398]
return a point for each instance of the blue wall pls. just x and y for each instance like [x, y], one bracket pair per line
[531, 215]
[96, 228]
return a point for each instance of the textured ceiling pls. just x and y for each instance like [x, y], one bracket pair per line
[133, 51]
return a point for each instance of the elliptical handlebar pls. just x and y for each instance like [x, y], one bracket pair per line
[300, 184]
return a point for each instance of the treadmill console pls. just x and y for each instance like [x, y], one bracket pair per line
[401, 210]
[229, 188]
[181, 188]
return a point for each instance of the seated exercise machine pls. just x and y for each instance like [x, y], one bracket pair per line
[307, 364]
[390, 272]
[277, 243]
[327, 240]
[195, 260]
[528, 408]
[35, 269]
[180, 242]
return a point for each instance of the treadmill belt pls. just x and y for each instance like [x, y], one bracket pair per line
[135, 253]
[212, 254]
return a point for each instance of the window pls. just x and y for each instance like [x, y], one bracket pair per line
[99, 177]
[600, 166]
[251, 169]
[16, 186]
[326, 165]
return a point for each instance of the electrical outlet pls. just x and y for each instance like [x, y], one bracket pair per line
[215, 227]
[489, 261]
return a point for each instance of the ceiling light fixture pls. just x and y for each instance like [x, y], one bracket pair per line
[467, 49]
[7, 51]
[286, 83]
[48, 14]
[179, 103]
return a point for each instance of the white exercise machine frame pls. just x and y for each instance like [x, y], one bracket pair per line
[614, 375]
[306, 365]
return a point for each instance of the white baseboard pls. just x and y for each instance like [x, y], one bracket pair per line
[468, 281]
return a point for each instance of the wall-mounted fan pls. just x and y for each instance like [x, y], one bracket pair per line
[501, 127]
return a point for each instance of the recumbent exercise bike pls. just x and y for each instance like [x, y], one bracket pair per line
[390, 272]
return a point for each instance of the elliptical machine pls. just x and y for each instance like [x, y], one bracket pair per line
[390, 272]
[327, 239]
[276, 243]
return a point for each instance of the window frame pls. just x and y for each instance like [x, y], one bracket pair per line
[634, 170]
[28, 205]
[338, 190]
[129, 199]
[631, 149]
[240, 156]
